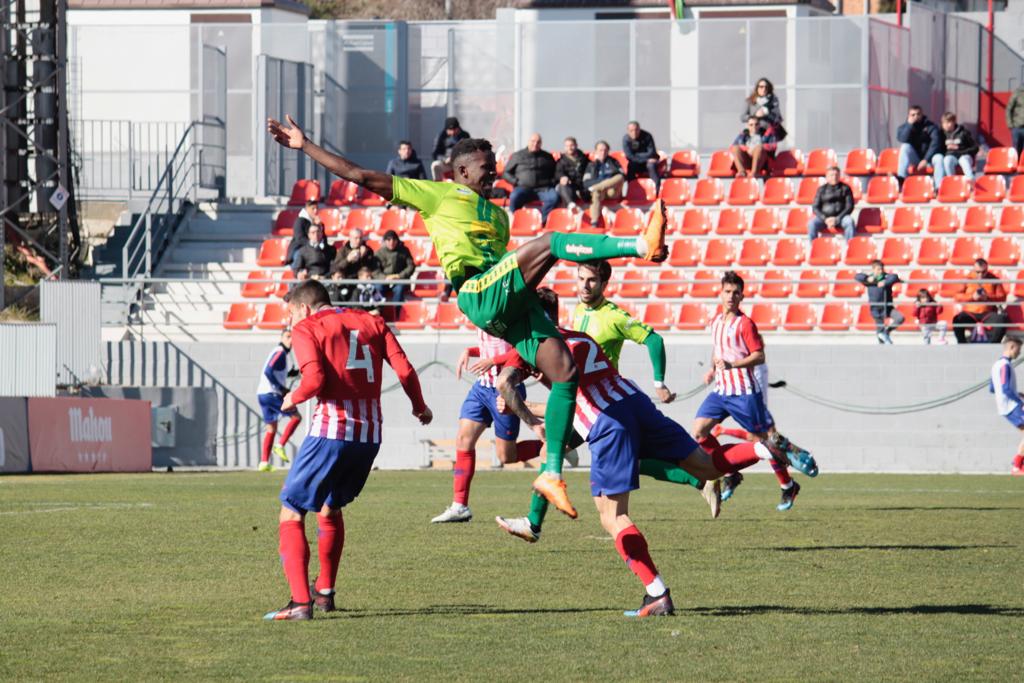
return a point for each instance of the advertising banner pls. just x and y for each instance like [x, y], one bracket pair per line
[89, 435]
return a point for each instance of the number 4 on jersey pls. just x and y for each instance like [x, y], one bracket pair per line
[357, 362]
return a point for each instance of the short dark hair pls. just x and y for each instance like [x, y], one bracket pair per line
[878, 262]
[571, 138]
[600, 266]
[451, 122]
[549, 302]
[404, 142]
[1012, 339]
[949, 116]
[915, 107]
[834, 168]
[308, 292]
[731, 277]
[633, 123]
[602, 142]
[389, 235]
[470, 146]
[981, 262]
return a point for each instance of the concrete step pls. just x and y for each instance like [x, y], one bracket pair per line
[196, 253]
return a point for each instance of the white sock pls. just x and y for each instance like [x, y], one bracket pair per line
[787, 486]
[657, 587]
[762, 451]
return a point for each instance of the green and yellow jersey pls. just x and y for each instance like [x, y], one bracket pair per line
[467, 230]
[610, 326]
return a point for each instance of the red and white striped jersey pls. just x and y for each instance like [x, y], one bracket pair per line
[352, 420]
[490, 347]
[600, 384]
[734, 339]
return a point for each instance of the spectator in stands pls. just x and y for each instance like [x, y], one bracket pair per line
[960, 149]
[309, 215]
[569, 170]
[351, 256]
[603, 179]
[313, 259]
[752, 148]
[407, 164]
[1015, 118]
[446, 139]
[921, 143]
[980, 315]
[396, 263]
[531, 171]
[367, 293]
[833, 207]
[641, 154]
[927, 313]
[879, 285]
[763, 105]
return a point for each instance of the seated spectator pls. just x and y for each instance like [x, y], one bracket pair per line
[396, 263]
[569, 170]
[531, 171]
[351, 256]
[833, 207]
[920, 144]
[752, 148]
[927, 313]
[603, 179]
[308, 215]
[1015, 118]
[366, 293]
[641, 154]
[313, 259]
[879, 287]
[980, 316]
[446, 139]
[763, 105]
[960, 149]
[407, 164]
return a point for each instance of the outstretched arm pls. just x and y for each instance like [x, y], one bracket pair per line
[506, 384]
[291, 136]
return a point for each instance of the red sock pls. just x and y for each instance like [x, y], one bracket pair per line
[709, 443]
[741, 434]
[734, 458]
[289, 428]
[268, 441]
[781, 473]
[632, 547]
[295, 559]
[528, 450]
[330, 539]
[465, 466]
[1018, 460]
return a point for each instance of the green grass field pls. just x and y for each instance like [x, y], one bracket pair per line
[166, 576]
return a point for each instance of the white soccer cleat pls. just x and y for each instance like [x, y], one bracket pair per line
[454, 513]
[519, 526]
[712, 493]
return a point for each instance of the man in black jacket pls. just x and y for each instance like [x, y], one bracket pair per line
[603, 179]
[407, 164]
[879, 285]
[569, 170]
[446, 139]
[309, 215]
[920, 144]
[531, 171]
[313, 259]
[641, 153]
[396, 263]
[960, 148]
[833, 207]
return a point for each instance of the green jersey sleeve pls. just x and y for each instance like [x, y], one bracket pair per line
[424, 195]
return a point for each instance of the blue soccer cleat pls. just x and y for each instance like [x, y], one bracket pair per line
[788, 497]
[729, 484]
[786, 451]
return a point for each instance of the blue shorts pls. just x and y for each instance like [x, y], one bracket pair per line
[481, 406]
[1016, 417]
[327, 471]
[270, 404]
[626, 431]
[749, 410]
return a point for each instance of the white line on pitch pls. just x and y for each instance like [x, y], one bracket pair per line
[83, 506]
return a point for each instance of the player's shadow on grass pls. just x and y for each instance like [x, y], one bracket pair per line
[747, 610]
[461, 610]
[944, 508]
[940, 547]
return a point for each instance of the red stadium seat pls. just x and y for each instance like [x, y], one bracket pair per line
[943, 219]
[706, 284]
[813, 284]
[918, 189]
[860, 162]
[966, 250]
[639, 192]
[1001, 160]
[871, 220]
[240, 317]
[755, 252]
[428, 284]
[506, 187]
[394, 219]
[719, 252]
[275, 317]
[526, 222]
[1018, 289]
[675, 191]
[807, 189]
[685, 164]
[685, 253]
[412, 316]
[627, 222]
[620, 157]
[797, 220]
[860, 251]
[778, 192]
[950, 288]
[659, 315]
[888, 161]
[897, 251]
[864, 320]
[285, 283]
[819, 161]
[364, 197]
[954, 189]
[825, 251]
[789, 252]
[751, 283]
[731, 222]
[695, 222]
[721, 165]
[338, 193]
[284, 222]
[1003, 251]
[744, 192]
[766, 222]
[777, 284]
[767, 317]
[330, 219]
[447, 316]
[883, 190]
[836, 318]
[922, 279]
[1011, 220]
[846, 287]
[671, 285]
[303, 191]
[800, 318]
[855, 187]
[417, 228]
[416, 248]
[253, 289]
[693, 317]
[563, 281]
[634, 284]
[561, 220]
[990, 189]
[708, 192]
[787, 163]
[435, 262]
[272, 252]
[907, 219]
[909, 323]
[1016, 193]
[933, 251]
[357, 219]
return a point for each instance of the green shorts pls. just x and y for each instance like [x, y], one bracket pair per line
[499, 303]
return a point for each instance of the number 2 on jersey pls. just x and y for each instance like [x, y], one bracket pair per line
[357, 362]
[592, 364]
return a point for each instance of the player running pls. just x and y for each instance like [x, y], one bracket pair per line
[270, 393]
[621, 425]
[341, 352]
[496, 287]
[480, 411]
[1003, 383]
[737, 349]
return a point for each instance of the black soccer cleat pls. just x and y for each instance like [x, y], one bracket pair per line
[729, 484]
[660, 606]
[788, 497]
[322, 601]
[293, 611]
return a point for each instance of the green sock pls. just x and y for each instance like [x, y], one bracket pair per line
[662, 470]
[558, 422]
[583, 247]
[538, 508]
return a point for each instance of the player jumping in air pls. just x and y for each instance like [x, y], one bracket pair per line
[621, 425]
[738, 349]
[1009, 403]
[341, 352]
[496, 287]
[270, 393]
[479, 411]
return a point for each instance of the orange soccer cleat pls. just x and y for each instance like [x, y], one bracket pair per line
[654, 234]
[554, 490]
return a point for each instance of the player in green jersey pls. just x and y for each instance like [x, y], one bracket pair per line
[496, 287]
